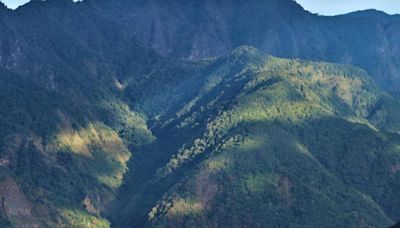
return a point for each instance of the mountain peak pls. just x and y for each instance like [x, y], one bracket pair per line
[42, 3]
[369, 13]
[247, 54]
[246, 50]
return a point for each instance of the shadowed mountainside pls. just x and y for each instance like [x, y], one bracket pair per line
[210, 28]
[267, 140]
[100, 122]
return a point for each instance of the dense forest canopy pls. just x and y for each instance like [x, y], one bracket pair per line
[197, 114]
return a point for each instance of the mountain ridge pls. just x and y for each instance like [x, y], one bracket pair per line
[244, 57]
[110, 116]
[212, 31]
[216, 110]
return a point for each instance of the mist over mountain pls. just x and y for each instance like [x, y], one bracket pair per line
[197, 114]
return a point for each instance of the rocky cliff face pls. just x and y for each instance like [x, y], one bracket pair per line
[210, 28]
[202, 29]
[15, 206]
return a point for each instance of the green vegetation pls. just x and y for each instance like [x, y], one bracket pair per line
[273, 142]
[80, 219]
[243, 140]
[66, 147]
[98, 130]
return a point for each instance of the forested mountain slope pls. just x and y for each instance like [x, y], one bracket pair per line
[63, 154]
[266, 141]
[202, 29]
[101, 124]
[210, 28]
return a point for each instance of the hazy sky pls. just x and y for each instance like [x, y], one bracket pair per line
[15, 3]
[335, 7]
[324, 7]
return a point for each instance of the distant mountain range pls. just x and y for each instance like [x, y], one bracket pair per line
[175, 113]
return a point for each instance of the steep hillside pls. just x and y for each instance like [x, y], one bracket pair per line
[101, 126]
[62, 157]
[210, 28]
[204, 138]
[196, 30]
[65, 128]
[255, 141]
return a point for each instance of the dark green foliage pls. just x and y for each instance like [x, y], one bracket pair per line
[243, 140]
[204, 29]
[269, 142]
[246, 139]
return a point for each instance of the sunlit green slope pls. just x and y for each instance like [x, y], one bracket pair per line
[262, 141]
[243, 140]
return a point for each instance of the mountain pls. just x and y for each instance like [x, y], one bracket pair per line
[153, 114]
[210, 28]
[203, 29]
[267, 141]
